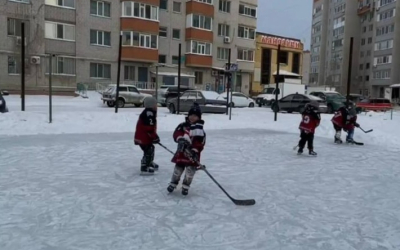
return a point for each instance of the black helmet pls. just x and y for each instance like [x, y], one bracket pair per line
[195, 110]
[313, 105]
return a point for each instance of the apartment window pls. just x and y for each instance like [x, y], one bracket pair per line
[205, 1]
[163, 32]
[223, 29]
[368, 52]
[371, 27]
[162, 59]
[363, 41]
[385, 30]
[388, 44]
[164, 4]
[383, 60]
[316, 28]
[60, 31]
[369, 40]
[247, 10]
[385, 2]
[176, 7]
[98, 37]
[367, 78]
[133, 38]
[175, 59]
[361, 66]
[224, 6]
[129, 73]
[198, 77]
[61, 3]
[317, 9]
[61, 66]
[386, 15]
[201, 22]
[367, 66]
[364, 29]
[245, 55]
[20, 1]
[339, 43]
[338, 31]
[245, 32]
[100, 8]
[176, 33]
[14, 27]
[382, 74]
[222, 53]
[100, 70]
[200, 48]
[139, 10]
[13, 65]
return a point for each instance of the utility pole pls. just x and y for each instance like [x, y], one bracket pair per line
[349, 70]
[277, 78]
[179, 77]
[119, 72]
[22, 66]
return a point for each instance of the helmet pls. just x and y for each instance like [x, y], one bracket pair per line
[313, 105]
[195, 110]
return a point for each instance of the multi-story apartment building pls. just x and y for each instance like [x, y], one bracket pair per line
[305, 79]
[372, 24]
[84, 37]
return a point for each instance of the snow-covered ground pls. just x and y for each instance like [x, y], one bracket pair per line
[75, 184]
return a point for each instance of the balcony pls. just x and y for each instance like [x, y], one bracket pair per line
[193, 60]
[364, 9]
[199, 8]
[138, 54]
[199, 35]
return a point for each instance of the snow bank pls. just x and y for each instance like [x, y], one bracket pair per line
[78, 115]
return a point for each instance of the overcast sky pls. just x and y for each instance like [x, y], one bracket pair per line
[290, 18]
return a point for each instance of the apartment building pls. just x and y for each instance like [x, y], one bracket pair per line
[372, 24]
[84, 37]
[305, 79]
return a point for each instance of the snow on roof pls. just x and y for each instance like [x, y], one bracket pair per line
[397, 85]
[211, 95]
[286, 73]
[172, 74]
[311, 97]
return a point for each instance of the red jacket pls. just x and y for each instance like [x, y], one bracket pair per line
[197, 138]
[146, 127]
[309, 122]
[344, 119]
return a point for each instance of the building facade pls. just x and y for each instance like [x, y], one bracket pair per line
[290, 59]
[305, 79]
[376, 33]
[83, 36]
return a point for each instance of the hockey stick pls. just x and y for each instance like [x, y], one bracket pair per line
[295, 147]
[366, 131]
[235, 201]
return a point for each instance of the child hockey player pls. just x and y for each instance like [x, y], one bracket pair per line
[191, 138]
[310, 121]
[345, 118]
[146, 135]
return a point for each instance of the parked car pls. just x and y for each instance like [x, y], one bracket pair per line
[3, 104]
[207, 100]
[166, 92]
[356, 98]
[333, 99]
[128, 94]
[297, 102]
[374, 104]
[238, 99]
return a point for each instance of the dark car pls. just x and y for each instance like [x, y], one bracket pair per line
[165, 93]
[3, 105]
[333, 99]
[297, 102]
[207, 100]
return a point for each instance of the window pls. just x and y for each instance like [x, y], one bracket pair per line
[61, 66]
[176, 7]
[386, 15]
[162, 59]
[198, 77]
[129, 73]
[59, 31]
[245, 32]
[201, 22]
[20, 1]
[284, 57]
[385, 2]
[361, 66]
[222, 53]
[245, 55]
[176, 34]
[14, 27]
[13, 65]
[369, 40]
[383, 74]
[223, 29]
[385, 30]
[100, 8]
[383, 60]
[363, 41]
[371, 27]
[200, 48]
[98, 37]
[61, 3]
[132, 38]
[99, 70]
[163, 31]
[364, 29]
[139, 10]
[247, 10]
[175, 59]
[388, 44]
[224, 6]
[205, 1]
[164, 4]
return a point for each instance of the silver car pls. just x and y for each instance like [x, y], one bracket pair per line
[207, 100]
[128, 94]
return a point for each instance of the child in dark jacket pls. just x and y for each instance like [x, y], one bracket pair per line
[191, 139]
[146, 135]
[345, 119]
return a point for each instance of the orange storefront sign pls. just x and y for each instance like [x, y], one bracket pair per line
[271, 40]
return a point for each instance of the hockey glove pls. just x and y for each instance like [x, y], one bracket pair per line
[183, 144]
[156, 140]
[357, 125]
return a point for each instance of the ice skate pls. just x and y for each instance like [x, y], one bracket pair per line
[338, 140]
[146, 171]
[300, 151]
[155, 166]
[312, 153]
[170, 188]
[185, 191]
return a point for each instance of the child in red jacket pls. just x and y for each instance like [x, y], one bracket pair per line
[146, 135]
[191, 139]
[309, 122]
[345, 118]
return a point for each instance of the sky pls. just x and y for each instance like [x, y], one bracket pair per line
[291, 18]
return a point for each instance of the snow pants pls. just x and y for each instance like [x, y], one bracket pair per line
[148, 156]
[178, 171]
[350, 133]
[306, 138]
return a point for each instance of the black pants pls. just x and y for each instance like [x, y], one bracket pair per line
[306, 138]
[148, 156]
